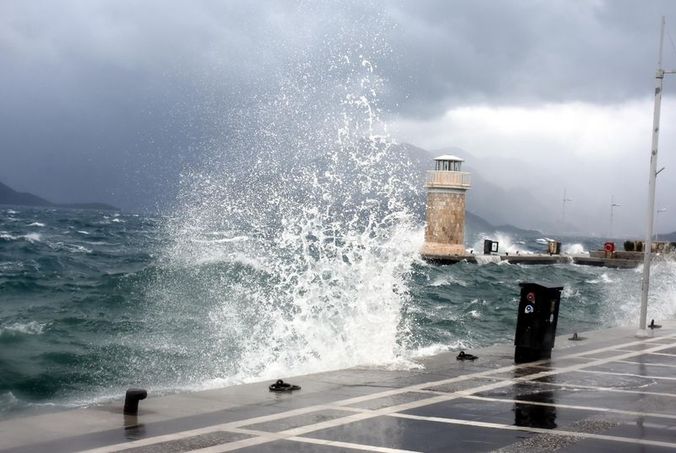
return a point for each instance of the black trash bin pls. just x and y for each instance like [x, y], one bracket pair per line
[490, 247]
[536, 322]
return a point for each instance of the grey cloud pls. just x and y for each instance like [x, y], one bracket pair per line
[108, 100]
[522, 52]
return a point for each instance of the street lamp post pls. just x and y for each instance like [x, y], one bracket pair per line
[613, 205]
[647, 248]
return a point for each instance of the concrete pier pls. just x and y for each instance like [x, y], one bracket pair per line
[618, 263]
[609, 392]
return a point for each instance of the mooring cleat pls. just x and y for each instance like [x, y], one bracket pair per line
[653, 325]
[464, 356]
[281, 386]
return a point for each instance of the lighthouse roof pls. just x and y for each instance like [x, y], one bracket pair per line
[450, 157]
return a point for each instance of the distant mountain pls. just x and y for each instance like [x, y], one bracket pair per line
[517, 211]
[479, 207]
[671, 237]
[9, 196]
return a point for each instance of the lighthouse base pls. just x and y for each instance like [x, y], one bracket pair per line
[437, 248]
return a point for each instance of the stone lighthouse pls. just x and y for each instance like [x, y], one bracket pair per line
[446, 188]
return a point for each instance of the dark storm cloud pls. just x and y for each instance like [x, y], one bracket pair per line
[525, 52]
[108, 100]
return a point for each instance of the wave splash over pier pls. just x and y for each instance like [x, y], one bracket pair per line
[298, 234]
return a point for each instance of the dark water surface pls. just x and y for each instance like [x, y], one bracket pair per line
[92, 303]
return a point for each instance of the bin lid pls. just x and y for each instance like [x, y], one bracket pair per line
[541, 285]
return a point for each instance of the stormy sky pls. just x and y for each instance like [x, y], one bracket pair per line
[110, 100]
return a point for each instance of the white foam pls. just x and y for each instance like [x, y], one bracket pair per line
[83, 232]
[27, 328]
[222, 240]
[446, 280]
[487, 259]
[72, 248]
[603, 278]
[32, 237]
[569, 292]
[36, 224]
[574, 249]
[622, 296]
[11, 266]
[7, 400]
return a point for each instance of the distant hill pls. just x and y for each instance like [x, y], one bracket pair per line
[474, 223]
[668, 237]
[9, 196]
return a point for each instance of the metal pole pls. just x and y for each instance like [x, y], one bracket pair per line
[613, 205]
[645, 282]
[563, 208]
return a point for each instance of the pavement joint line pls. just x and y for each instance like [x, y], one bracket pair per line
[385, 411]
[272, 436]
[573, 406]
[593, 363]
[609, 389]
[206, 430]
[616, 373]
[337, 443]
[366, 415]
[647, 364]
[576, 434]
[664, 354]
[243, 443]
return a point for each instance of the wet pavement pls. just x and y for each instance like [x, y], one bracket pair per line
[610, 392]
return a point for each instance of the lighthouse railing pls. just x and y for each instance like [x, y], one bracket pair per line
[448, 179]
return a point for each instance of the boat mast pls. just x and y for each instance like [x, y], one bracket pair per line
[647, 249]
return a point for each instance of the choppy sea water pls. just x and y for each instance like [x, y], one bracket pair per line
[95, 302]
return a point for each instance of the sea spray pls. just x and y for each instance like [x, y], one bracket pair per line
[622, 293]
[298, 234]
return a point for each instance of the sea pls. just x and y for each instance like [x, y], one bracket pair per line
[291, 246]
[94, 302]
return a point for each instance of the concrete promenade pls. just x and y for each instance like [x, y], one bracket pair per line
[609, 392]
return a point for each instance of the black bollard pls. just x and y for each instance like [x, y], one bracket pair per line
[131, 400]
